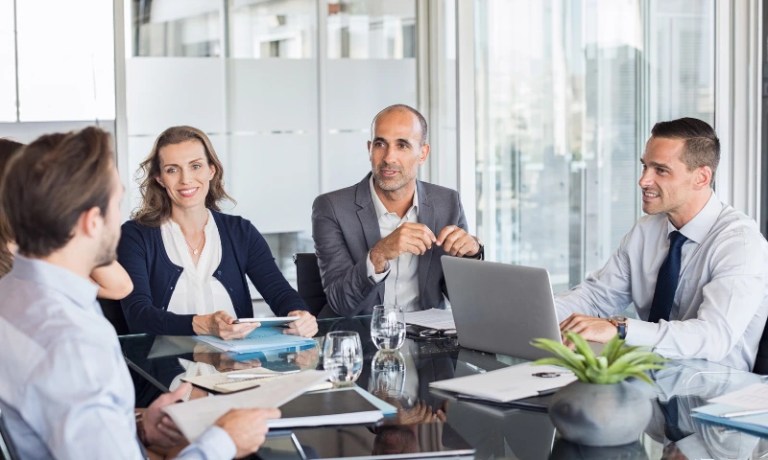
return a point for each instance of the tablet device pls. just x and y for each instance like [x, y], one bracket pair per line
[269, 320]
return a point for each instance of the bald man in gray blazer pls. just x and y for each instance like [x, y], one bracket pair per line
[380, 241]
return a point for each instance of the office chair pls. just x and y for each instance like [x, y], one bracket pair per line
[310, 285]
[113, 311]
[7, 449]
[761, 362]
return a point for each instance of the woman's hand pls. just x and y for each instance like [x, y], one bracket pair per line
[305, 326]
[220, 324]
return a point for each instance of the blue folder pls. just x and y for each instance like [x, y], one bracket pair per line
[753, 424]
[261, 339]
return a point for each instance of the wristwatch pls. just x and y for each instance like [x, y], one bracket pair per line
[480, 255]
[621, 325]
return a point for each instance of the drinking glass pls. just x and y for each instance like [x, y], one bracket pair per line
[387, 374]
[387, 327]
[343, 356]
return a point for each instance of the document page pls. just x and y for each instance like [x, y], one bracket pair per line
[752, 397]
[433, 318]
[510, 383]
[194, 417]
[228, 382]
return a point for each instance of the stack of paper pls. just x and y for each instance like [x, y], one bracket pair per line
[433, 318]
[230, 382]
[745, 409]
[510, 383]
[194, 417]
[261, 339]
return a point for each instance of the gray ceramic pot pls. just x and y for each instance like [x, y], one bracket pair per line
[600, 415]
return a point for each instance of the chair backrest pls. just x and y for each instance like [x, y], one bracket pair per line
[761, 363]
[7, 449]
[309, 282]
[113, 311]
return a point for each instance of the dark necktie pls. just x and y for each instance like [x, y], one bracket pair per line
[666, 282]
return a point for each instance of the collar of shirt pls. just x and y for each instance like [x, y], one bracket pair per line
[381, 210]
[698, 228]
[81, 291]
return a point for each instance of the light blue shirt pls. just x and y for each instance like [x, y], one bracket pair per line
[401, 278]
[721, 302]
[65, 390]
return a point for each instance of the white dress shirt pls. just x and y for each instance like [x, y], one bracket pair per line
[197, 292]
[65, 390]
[721, 302]
[401, 278]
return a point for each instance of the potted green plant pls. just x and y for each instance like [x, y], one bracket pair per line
[601, 408]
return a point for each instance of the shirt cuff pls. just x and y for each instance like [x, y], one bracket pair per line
[213, 444]
[375, 277]
[641, 333]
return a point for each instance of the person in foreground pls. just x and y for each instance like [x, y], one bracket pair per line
[187, 260]
[66, 391]
[695, 269]
[380, 241]
[114, 283]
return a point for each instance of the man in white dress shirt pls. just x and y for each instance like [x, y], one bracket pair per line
[695, 269]
[65, 390]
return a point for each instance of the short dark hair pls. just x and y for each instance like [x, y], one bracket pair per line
[419, 116]
[702, 147]
[156, 205]
[51, 183]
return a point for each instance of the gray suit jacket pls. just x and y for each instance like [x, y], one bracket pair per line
[345, 227]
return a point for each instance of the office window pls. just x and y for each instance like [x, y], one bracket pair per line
[566, 94]
[66, 60]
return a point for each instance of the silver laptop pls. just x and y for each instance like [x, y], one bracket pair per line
[500, 308]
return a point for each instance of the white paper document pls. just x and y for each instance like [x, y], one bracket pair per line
[194, 417]
[510, 383]
[229, 382]
[434, 318]
[754, 397]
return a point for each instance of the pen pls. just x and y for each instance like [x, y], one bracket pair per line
[246, 376]
[744, 413]
[477, 369]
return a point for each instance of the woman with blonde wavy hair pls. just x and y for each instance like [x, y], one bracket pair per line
[188, 260]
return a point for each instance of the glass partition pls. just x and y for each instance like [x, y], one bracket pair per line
[161, 29]
[284, 29]
[360, 29]
[288, 118]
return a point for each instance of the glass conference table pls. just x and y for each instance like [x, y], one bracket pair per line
[430, 421]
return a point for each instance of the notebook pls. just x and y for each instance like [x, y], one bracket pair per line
[501, 308]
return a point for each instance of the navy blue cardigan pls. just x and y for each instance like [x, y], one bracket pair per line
[243, 252]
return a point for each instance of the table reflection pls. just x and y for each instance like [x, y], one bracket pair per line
[434, 420]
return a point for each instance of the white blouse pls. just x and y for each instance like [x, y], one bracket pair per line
[197, 292]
